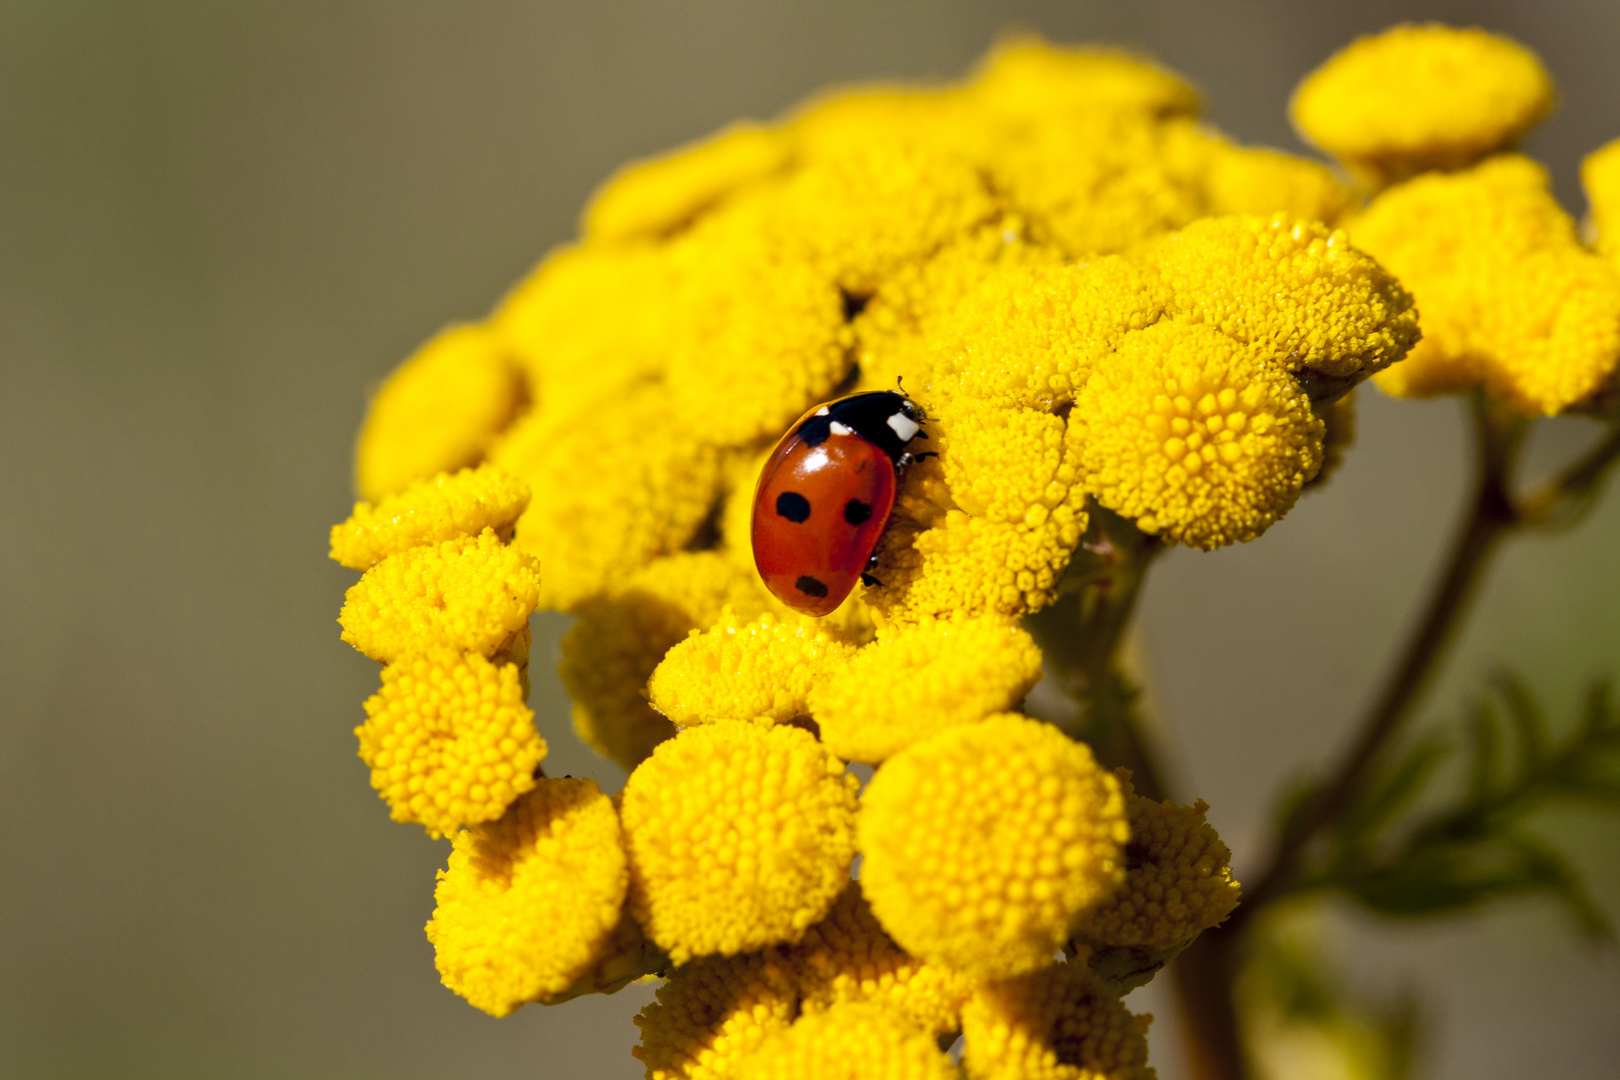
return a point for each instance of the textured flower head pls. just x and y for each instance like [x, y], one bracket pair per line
[984, 843]
[740, 836]
[1511, 301]
[1178, 881]
[1415, 98]
[529, 903]
[713, 1012]
[848, 1040]
[449, 740]
[1059, 1023]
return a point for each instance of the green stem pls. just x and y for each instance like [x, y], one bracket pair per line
[1206, 972]
[1499, 438]
[1081, 636]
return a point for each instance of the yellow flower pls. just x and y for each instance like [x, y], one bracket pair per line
[1098, 183]
[1421, 97]
[762, 335]
[530, 903]
[848, 1040]
[847, 957]
[1195, 436]
[1026, 79]
[1600, 175]
[1000, 546]
[1178, 878]
[713, 1012]
[984, 843]
[591, 321]
[1510, 299]
[611, 652]
[662, 194]
[615, 485]
[1255, 180]
[858, 216]
[448, 739]
[740, 836]
[439, 410]
[741, 671]
[471, 594]
[1056, 1024]
[1295, 291]
[430, 511]
[922, 678]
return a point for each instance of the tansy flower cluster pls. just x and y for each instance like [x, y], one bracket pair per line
[1512, 300]
[1100, 302]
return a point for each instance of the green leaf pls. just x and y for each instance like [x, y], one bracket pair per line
[1529, 723]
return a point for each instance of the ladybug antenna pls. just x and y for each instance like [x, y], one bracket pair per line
[899, 380]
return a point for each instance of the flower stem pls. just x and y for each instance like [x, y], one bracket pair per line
[1081, 636]
[1500, 436]
[1206, 973]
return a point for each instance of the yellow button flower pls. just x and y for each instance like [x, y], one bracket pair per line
[660, 195]
[984, 843]
[439, 410]
[430, 511]
[1027, 78]
[1252, 179]
[449, 740]
[470, 594]
[713, 1012]
[1056, 1024]
[740, 671]
[921, 678]
[611, 652]
[740, 836]
[995, 542]
[847, 957]
[1294, 290]
[529, 903]
[1600, 175]
[591, 321]
[1421, 97]
[1178, 878]
[1195, 436]
[860, 215]
[614, 486]
[1030, 335]
[1098, 183]
[850, 1040]
[762, 337]
[1510, 299]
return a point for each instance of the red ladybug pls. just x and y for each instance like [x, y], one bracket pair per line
[825, 495]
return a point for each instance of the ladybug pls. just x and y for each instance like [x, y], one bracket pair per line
[825, 495]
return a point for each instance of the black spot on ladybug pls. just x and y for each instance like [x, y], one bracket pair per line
[815, 430]
[810, 586]
[855, 511]
[793, 506]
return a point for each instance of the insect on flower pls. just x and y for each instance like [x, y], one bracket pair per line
[825, 495]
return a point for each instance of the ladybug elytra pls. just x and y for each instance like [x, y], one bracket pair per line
[825, 495]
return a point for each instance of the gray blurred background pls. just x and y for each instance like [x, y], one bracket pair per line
[220, 223]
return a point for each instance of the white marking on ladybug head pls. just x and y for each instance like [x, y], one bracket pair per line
[822, 411]
[904, 426]
[840, 429]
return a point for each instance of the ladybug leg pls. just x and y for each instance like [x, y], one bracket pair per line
[908, 458]
[869, 581]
